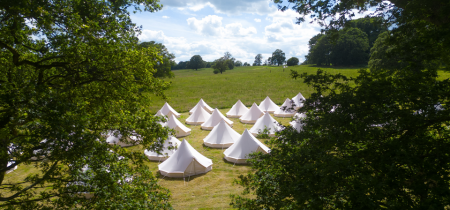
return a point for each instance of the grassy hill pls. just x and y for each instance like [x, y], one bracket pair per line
[249, 84]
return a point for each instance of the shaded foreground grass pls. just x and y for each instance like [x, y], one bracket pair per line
[207, 191]
[213, 189]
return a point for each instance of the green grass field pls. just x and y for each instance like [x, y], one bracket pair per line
[249, 84]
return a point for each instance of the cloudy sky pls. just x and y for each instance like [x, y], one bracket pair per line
[210, 28]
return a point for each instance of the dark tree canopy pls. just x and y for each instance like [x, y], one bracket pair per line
[278, 57]
[292, 61]
[71, 71]
[376, 141]
[258, 60]
[350, 49]
[238, 63]
[196, 62]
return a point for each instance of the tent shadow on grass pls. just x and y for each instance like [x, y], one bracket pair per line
[236, 164]
[186, 179]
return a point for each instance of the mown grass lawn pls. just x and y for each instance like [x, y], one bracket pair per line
[249, 84]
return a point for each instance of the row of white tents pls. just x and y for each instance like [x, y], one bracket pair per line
[180, 159]
[205, 116]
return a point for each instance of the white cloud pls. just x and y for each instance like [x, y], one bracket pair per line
[165, 17]
[236, 29]
[261, 7]
[210, 25]
[257, 20]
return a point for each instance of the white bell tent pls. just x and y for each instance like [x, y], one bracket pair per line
[175, 124]
[286, 110]
[267, 105]
[298, 101]
[186, 161]
[169, 148]
[202, 104]
[253, 114]
[297, 125]
[114, 137]
[299, 116]
[297, 122]
[160, 114]
[265, 121]
[246, 144]
[237, 110]
[12, 169]
[168, 110]
[215, 118]
[198, 117]
[221, 136]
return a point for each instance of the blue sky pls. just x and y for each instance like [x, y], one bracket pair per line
[210, 28]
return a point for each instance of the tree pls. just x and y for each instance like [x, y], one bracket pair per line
[278, 57]
[246, 64]
[163, 68]
[230, 60]
[351, 48]
[269, 61]
[385, 143]
[221, 64]
[70, 72]
[320, 53]
[258, 60]
[372, 26]
[196, 62]
[292, 61]
[238, 63]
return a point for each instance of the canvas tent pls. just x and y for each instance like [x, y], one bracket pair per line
[297, 125]
[221, 136]
[253, 114]
[267, 105]
[198, 117]
[160, 114]
[298, 101]
[202, 104]
[12, 169]
[215, 118]
[265, 121]
[186, 161]
[114, 137]
[246, 144]
[299, 116]
[181, 130]
[237, 110]
[286, 110]
[297, 122]
[168, 110]
[169, 147]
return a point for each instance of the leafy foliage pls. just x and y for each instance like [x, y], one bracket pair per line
[278, 57]
[220, 65]
[163, 68]
[258, 60]
[292, 61]
[384, 145]
[71, 72]
[196, 62]
[294, 74]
